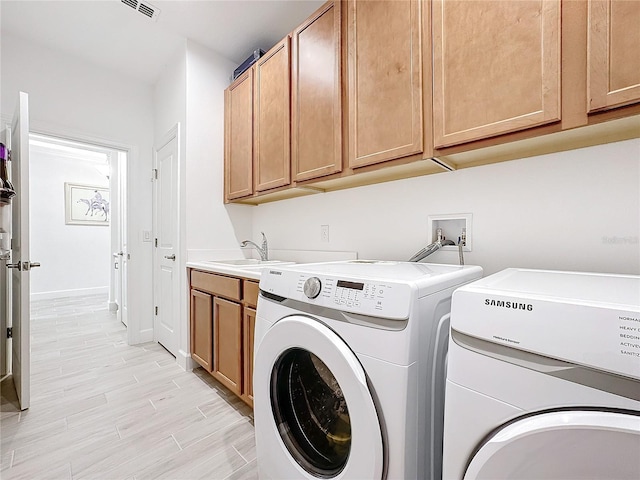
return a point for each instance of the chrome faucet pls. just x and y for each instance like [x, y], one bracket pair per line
[263, 251]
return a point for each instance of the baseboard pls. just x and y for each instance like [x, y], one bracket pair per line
[184, 360]
[78, 292]
[146, 335]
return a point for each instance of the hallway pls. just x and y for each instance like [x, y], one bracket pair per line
[105, 410]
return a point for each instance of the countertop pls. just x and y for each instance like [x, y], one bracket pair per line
[251, 272]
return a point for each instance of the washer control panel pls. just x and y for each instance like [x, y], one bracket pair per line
[385, 299]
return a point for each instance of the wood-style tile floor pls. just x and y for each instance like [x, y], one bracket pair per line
[102, 409]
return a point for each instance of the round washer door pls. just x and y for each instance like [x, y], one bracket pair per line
[567, 445]
[314, 414]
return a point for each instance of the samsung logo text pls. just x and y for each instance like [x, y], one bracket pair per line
[508, 304]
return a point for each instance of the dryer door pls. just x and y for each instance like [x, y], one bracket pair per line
[314, 414]
[567, 445]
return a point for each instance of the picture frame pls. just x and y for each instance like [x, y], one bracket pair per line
[86, 204]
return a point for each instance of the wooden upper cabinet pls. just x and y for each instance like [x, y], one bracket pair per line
[272, 118]
[316, 95]
[496, 67]
[384, 53]
[238, 141]
[613, 54]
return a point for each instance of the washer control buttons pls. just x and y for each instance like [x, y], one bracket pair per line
[312, 287]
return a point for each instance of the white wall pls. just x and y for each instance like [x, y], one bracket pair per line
[210, 225]
[190, 92]
[75, 259]
[74, 98]
[576, 210]
[170, 95]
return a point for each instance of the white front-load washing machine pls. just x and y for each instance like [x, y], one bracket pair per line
[349, 369]
[543, 378]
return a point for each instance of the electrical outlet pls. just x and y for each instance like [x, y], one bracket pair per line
[324, 233]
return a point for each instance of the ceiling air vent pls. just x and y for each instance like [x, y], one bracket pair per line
[144, 8]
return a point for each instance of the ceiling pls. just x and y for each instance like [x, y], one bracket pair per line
[114, 35]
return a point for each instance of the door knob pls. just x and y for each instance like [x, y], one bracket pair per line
[17, 265]
[34, 264]
[171, 257]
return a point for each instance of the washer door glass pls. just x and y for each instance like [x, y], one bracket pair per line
[311, 412]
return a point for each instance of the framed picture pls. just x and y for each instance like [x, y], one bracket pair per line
[86, 204]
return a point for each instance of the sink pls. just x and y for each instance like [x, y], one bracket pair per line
[245, 262]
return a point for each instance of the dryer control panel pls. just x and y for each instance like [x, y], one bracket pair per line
[377, 298]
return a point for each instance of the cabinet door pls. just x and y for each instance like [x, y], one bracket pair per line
[495, 67]
[384, 80]
[316, 95]
[238, 140]
[272, 118]
[249, 326]
[202, 329]
[227, 341]
[613, 53]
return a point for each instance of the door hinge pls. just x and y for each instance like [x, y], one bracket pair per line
[156, 243]
[156, 310]
[155, 173]
[10, 332]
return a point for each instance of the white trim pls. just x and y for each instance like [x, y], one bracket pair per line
[52, 130]
[76, 292]
[145, 336]
[184, 361]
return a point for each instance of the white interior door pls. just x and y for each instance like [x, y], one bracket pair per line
[121, 257]
[166, 273]
[117, 285]
[20, 262]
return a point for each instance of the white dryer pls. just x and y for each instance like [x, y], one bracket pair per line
[543, 378]
[349, 369]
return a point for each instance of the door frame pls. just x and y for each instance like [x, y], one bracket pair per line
[183, 357]
[131, 151]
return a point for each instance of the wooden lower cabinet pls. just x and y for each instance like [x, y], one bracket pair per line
[201, 329]
[222, 319]
[249, 326]
[227, 344]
